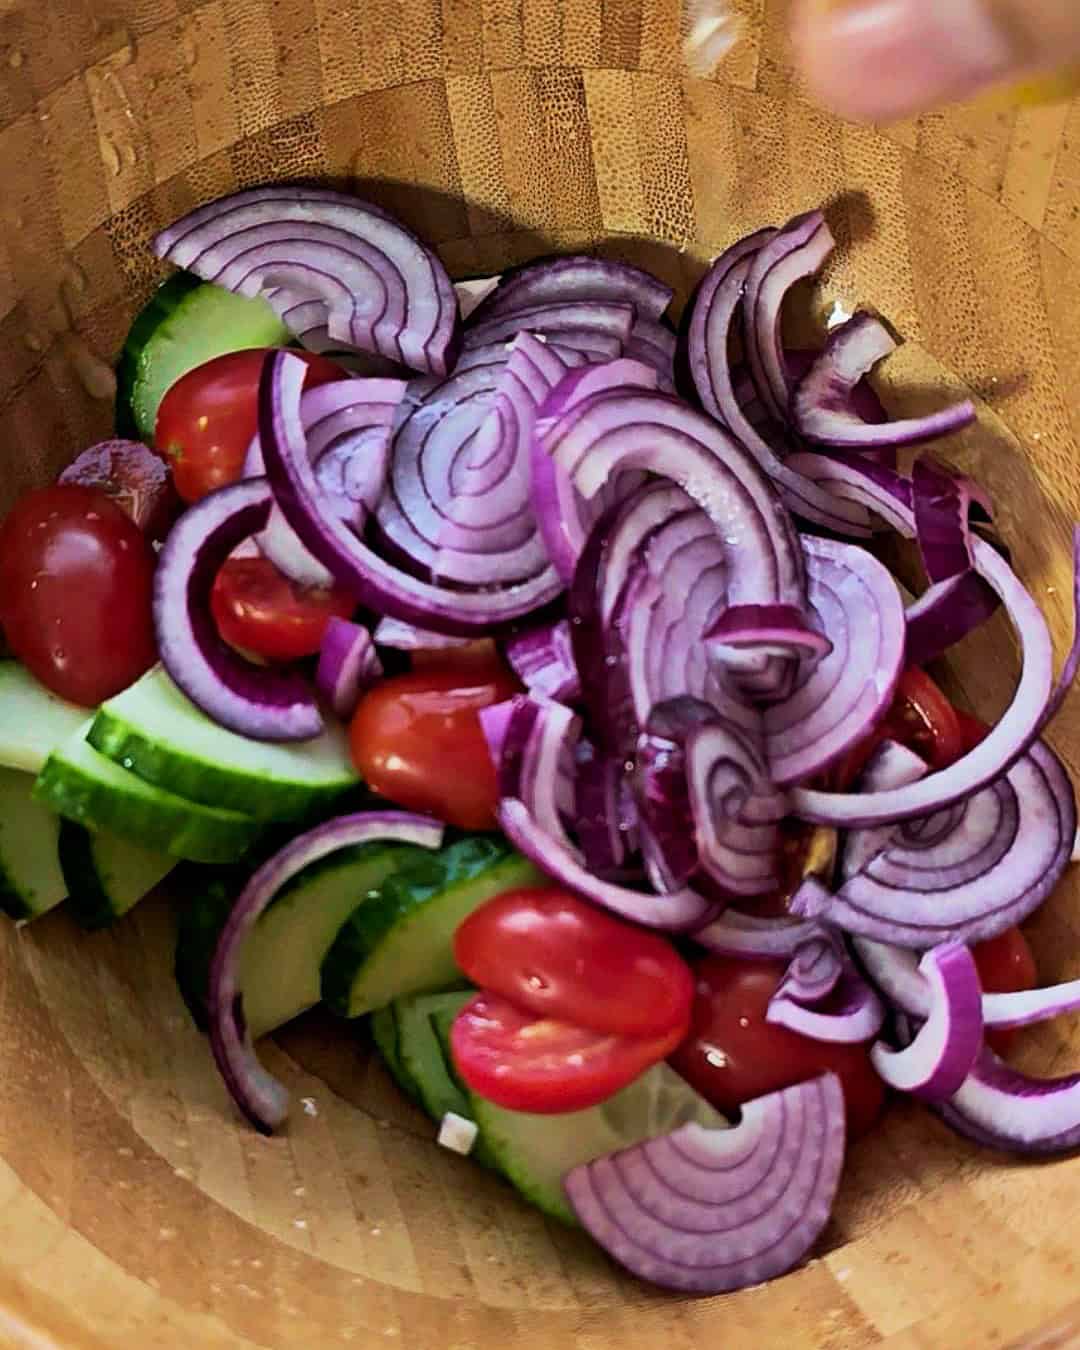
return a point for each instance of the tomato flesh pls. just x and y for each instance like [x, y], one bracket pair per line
[1006, 966]
[528, 1063]
[557, 957]
[417, 741]
[733, 1055]
[921, 717]
[208, 418]
[75, 589]
[259, 611]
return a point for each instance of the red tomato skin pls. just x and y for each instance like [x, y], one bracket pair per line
[259, 611]
[559, 957]
[76, 577]
[733, 1056]
[527, 1063]
[1006, 966]
[921, 717]
[478, 655]
[208, 418]
[417, 741]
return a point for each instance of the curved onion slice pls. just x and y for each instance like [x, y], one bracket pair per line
[543, 660]
[572, 278]
[1003, 1108]
[822, 406]
[386, 292]
[375, 582]
[840, 697]
[348, 664]
[736, 808]
[615, 429]
[709, 1211]
[775, 629]
[814, 970]
[797, 251]
[406, 637]
[347, 424]
[663, 793]
[968, 872]
[945, 1048]
[256, 701]
[599, 812]
[655, 345]
[716, 306]
[1015, 730]
[255, 1090]
[755, 937]
[534, 743]
[605, 319]
[849, 1014]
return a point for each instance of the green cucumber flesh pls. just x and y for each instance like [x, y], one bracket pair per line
[205, 897]
[84, 786]
[400, 941]
[420, 1052]
[185, 324]
[535, 1152]
[157, 733]
[31, 882]
[106, 876]
[384, 1034]
[33, 722]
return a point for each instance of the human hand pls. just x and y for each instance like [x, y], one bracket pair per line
[879, 60]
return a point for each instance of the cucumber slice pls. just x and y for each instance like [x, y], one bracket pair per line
[33, 722]
[420, 1052]
[185, 324]
[535, 1152]
[31, 882]
[384, 1033]
[279, 970]
[400, 941]
[84, 786]
[105, 875]
[206, 895]
[157, 733]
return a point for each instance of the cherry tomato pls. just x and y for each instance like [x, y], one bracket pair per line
[557, 957]
[973, 731]
[75, 585]
[733, 1055]
[417, 741]
[260, 611]
[528, 1063]
[921, 717]
[1006, 966]
[208, 418]
[477, 655]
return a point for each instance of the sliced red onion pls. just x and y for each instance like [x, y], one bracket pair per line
[565, 517]
[792, 254]
[376, 583]
[893, 765]
[815, 968]
[406, 637]
[607, 320]
[258, 1094]
[736, 808]
[775, 629]
[385, 291]
[348, 665]
[576, 278]
[754, 937]
[822, 406]
[662, 792]
[718, 302]
[939, 1059]
[472, 293]
[347, 424]
[535, 741]
[543, 660]
[709, 1211]
[850, 1015]
[599, 812]
[969, 872]
[1020, 724]
[136, 479]
[945, 614]
[655, 345]
[262, 702]
[619, 429]
[1003, 1108]
[840, 697]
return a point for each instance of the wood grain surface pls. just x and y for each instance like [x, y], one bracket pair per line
[135, 1211]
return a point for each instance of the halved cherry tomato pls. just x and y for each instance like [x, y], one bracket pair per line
[973, 731]
[1006, 966]
[209, 417]
[417, 741]
[921, 717]
[557, 957]
[75, 584]
[733, 1055]
[260, 611]
[528, 1063]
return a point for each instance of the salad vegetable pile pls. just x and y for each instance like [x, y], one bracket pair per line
[494, 662]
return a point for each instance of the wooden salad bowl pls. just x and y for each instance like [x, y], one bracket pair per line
[136, 1209]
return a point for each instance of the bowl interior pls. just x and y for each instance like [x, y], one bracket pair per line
[131, 1195]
